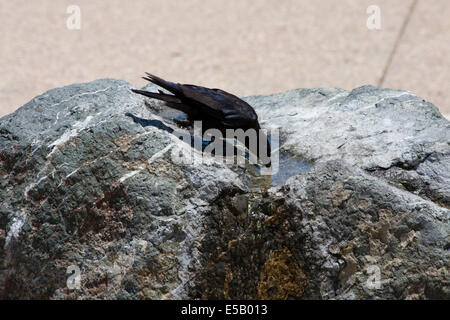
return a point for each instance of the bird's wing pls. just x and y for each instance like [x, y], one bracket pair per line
[221, 105]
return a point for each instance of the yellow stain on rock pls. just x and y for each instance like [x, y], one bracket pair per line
[281, 277]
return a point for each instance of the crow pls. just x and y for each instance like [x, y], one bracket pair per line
[217, 109]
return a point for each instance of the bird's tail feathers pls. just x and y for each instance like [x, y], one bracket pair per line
[170, 86]
[160, 96]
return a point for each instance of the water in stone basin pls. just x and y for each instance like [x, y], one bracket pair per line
[288, 167]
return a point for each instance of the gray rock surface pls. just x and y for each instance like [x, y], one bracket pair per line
[393, 134]
[90, 177]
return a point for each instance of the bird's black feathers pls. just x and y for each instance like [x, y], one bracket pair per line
[160, 96]
[214, 107]
[210, 105]
[169, 86]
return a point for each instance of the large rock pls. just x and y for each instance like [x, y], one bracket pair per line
[90, 178]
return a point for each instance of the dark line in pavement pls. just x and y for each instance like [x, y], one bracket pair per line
[397, 42]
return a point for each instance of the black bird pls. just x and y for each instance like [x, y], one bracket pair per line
[214, 107]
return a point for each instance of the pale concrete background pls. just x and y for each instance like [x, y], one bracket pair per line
[242, 46]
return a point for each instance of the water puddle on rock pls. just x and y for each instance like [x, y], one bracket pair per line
[288, 167]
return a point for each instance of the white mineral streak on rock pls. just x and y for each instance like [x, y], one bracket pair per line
[131, 174]
[34, 184]
[76, 128]
[79, 95]
[153, 158]
[17, 223]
